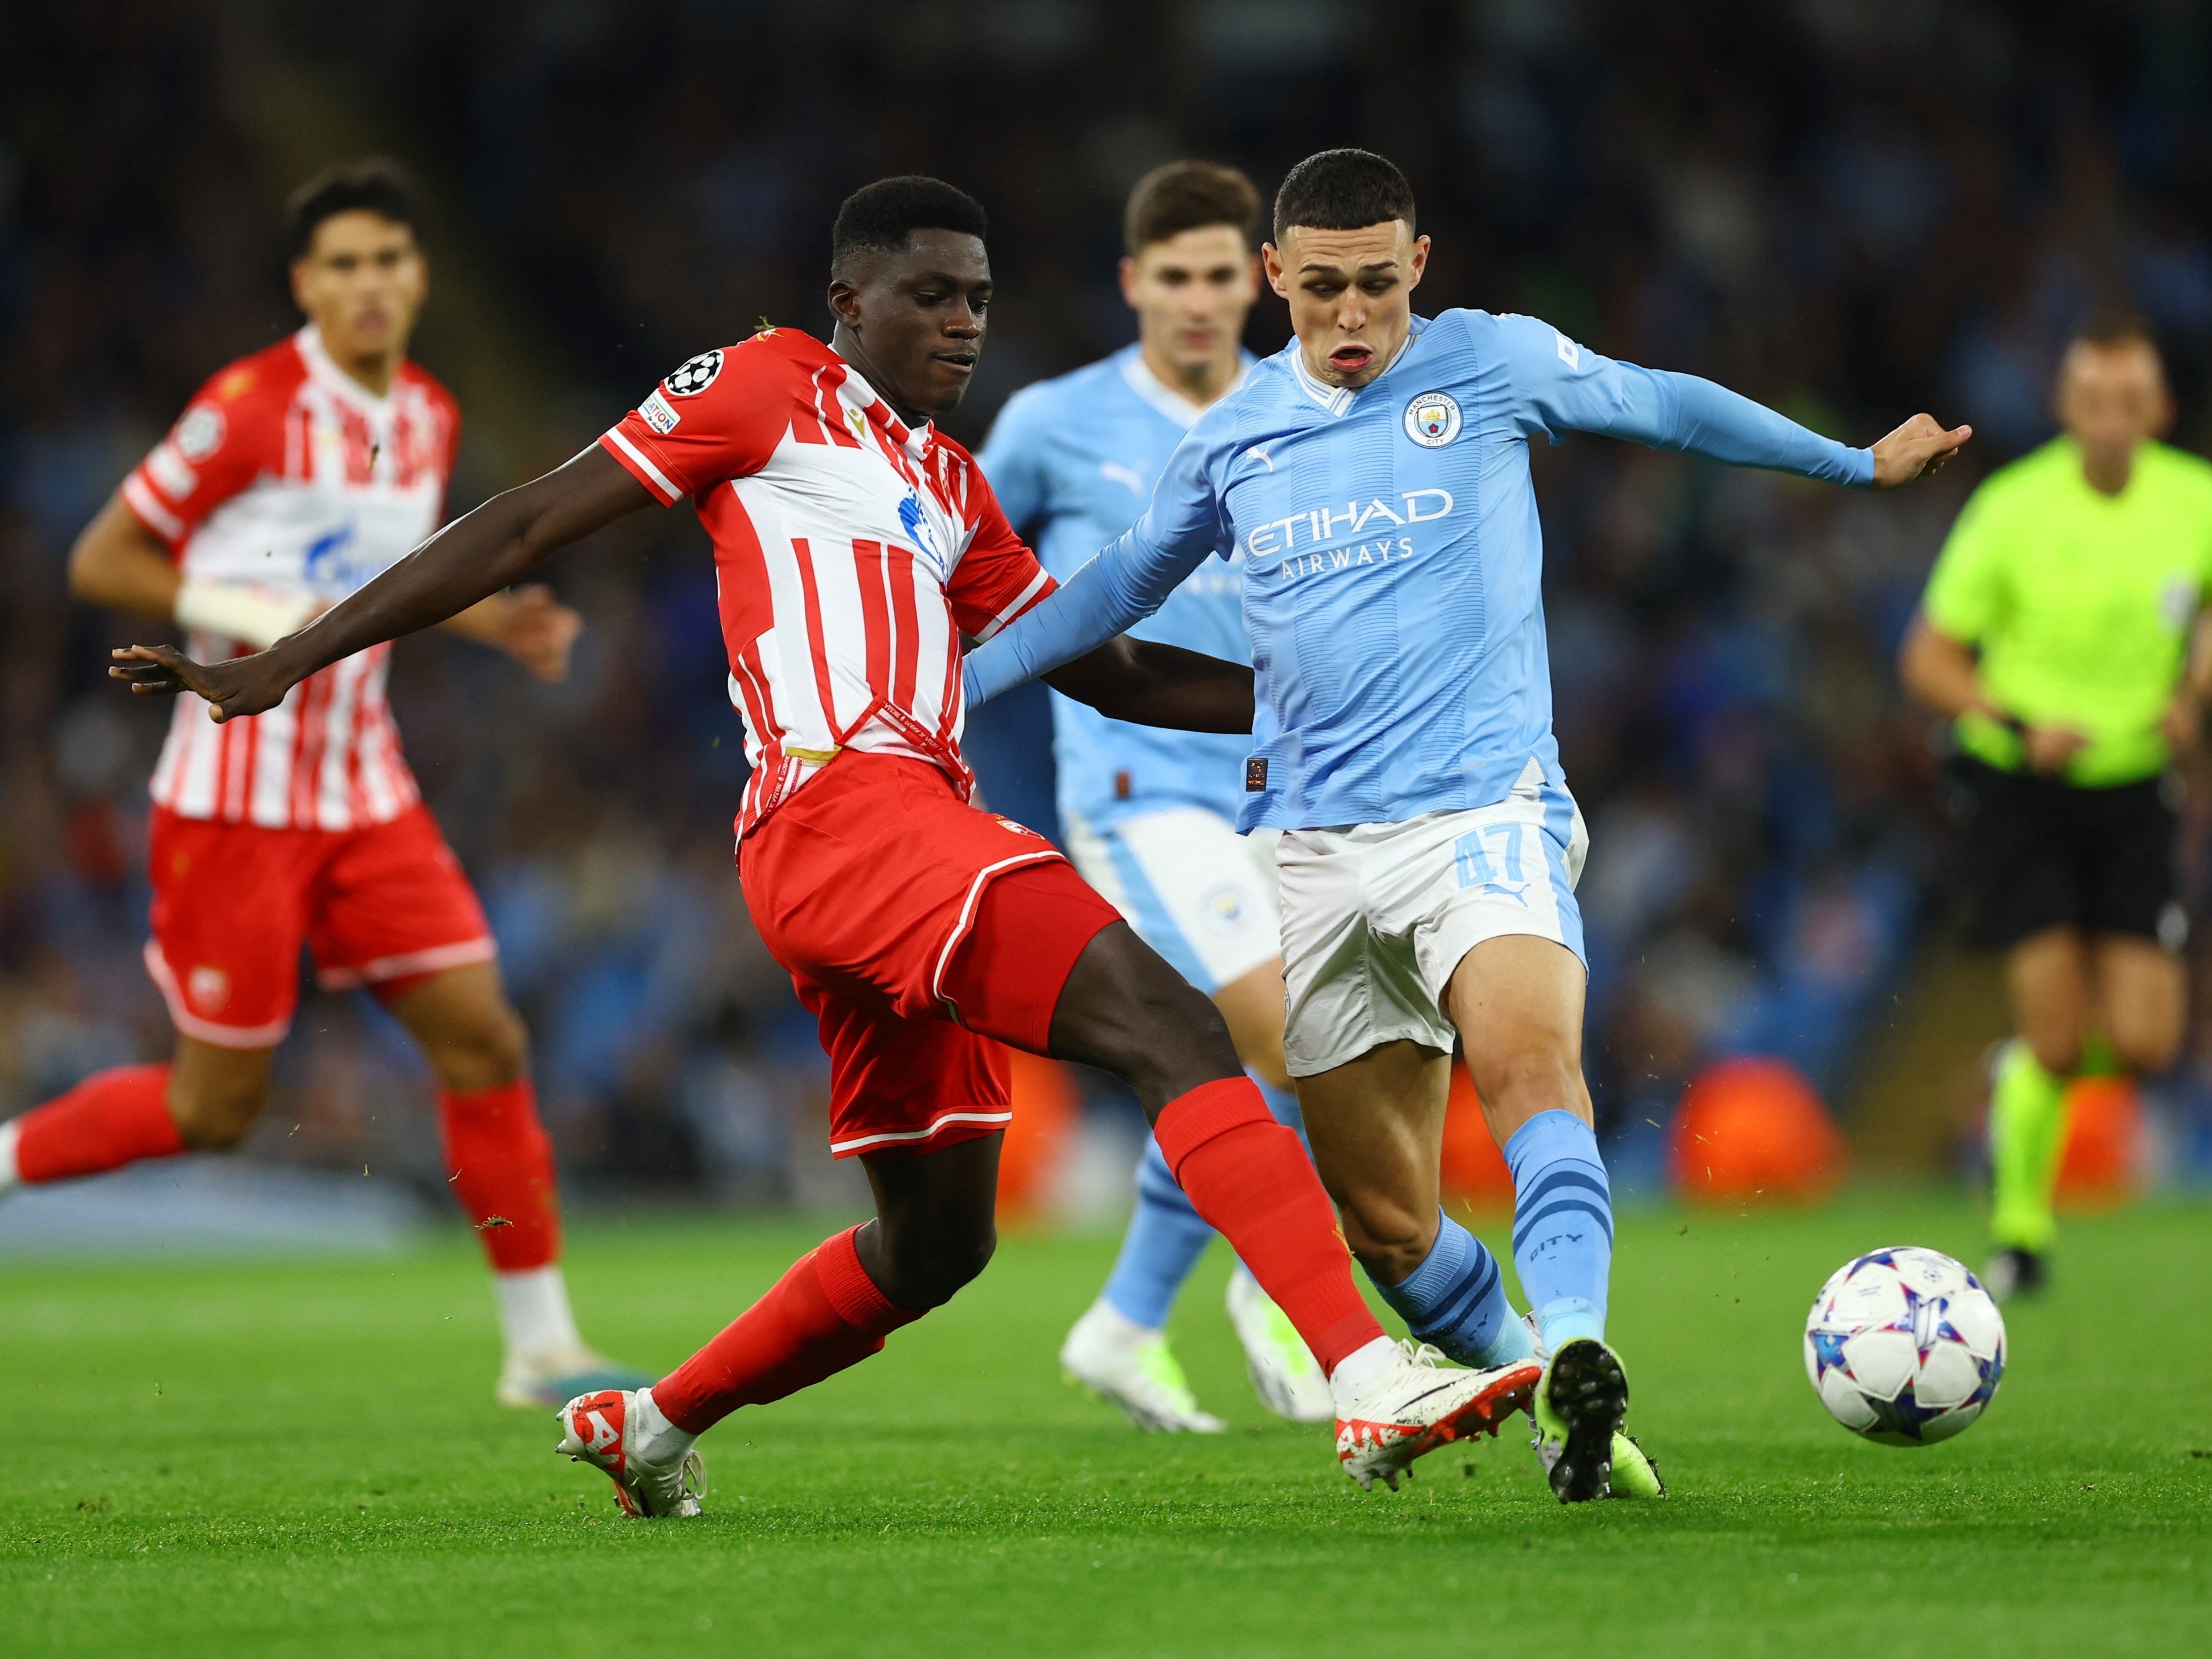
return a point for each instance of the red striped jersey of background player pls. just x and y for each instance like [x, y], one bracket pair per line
[851, 552]
[287, 474]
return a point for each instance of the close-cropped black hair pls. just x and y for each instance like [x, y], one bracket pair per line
[1342, 189]
[879, 217]
[379, 184]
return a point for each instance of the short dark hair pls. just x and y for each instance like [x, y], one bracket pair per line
[2110, 326]
[879, 217]
[1343, 189]
[379, 184]
[1180, 196]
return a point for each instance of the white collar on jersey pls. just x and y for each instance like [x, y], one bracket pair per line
[855, 393]
[323, 368]
[1338, 398]
[1164, 398]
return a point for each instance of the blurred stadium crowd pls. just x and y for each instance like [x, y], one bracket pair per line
[1851, 208]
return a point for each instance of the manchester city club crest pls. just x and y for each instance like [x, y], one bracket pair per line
[1432, 419]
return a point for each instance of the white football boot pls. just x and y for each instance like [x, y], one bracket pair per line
[601, 1430]
[551, 1376]
[1130, 1365]
[1283, 1371]
[1418, 1405]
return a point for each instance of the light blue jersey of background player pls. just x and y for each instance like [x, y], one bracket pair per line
[1148, 815]
[1072, 461]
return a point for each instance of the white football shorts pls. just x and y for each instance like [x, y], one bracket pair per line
[1376, 916]
[1193, 890]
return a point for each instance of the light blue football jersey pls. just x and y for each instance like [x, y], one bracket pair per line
[1393, 558]
[1074, 461]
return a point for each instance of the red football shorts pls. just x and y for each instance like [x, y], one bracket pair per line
[385, 906]
[917, 930]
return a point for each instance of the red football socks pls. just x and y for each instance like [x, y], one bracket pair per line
[1251, 1180]
[110, 1119]
[501, 1167]
[823, 1316]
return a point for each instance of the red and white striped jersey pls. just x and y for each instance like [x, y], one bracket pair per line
[850, 553]
[286, 474]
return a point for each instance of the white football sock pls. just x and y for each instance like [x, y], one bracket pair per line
[10, 1132]
[655, 1438]
[1359, 1369]
[534, 1316]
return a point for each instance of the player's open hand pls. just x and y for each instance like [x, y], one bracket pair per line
[538, 631]
[243, 685]
[1915, 450]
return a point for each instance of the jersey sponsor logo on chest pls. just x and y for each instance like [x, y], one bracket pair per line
[1327, 524]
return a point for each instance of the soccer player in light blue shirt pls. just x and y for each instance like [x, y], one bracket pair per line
[1150, 814]
[1374, 478]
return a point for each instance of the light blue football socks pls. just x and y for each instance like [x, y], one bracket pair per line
[1166, 1239]
[1456, 1300]
[1562, 1224]
[1166, 1236]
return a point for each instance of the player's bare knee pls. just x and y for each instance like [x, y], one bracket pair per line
[1531, 1081]
[2057, 1051]
[2146, 1048]
[929, 1272]
[485, 1052]
[213, 1118]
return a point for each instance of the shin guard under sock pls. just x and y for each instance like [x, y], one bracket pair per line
[1250, 1178]
[823, 1316]
[1562, 1224]
[112, 1118]
[501, 1167]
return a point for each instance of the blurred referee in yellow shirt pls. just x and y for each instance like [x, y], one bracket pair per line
[2058, 629]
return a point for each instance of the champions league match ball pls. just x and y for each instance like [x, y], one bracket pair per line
[1904, 1347]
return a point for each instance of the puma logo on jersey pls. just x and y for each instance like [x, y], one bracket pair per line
[1259, 453]
[1126, 475]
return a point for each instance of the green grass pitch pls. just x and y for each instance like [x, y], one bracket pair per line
[303, 1459]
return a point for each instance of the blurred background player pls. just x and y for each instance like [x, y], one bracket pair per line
[2056, 630]
[294, 475]
[1375, 475]
[1149, 814]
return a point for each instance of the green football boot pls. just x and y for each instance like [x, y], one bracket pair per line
[1578, 1412]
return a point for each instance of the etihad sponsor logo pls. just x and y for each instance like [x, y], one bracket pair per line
[1327, 524]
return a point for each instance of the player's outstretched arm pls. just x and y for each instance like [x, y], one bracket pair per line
[1560, 385]
[1114, 590]
[476, 555]
[1156, 684]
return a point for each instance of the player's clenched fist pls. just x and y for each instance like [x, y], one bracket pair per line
[1915, 450]
[244, 685]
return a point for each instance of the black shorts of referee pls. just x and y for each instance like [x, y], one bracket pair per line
[2042, 854]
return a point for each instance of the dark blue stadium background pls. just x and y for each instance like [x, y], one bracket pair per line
[1852, 208]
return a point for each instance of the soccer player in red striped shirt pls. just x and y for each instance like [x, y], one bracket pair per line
[854, 545]
[293, 477]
